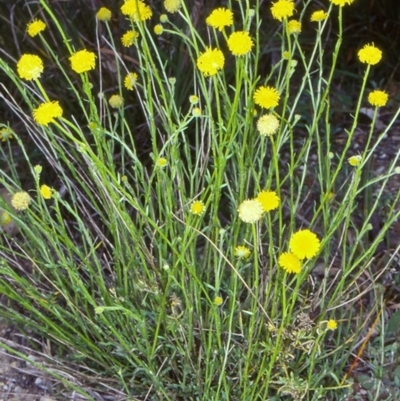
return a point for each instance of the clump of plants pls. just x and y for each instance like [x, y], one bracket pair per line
[199, 247]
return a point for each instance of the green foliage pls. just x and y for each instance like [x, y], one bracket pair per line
[131, 268]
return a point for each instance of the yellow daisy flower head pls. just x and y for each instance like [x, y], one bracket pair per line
[196, 112]
[46, 112]
[289, 262]
[354, 160]
[269, 200]
[330, 195]
[370, 54]
[93, 126]
[266, 97]
[46, 191]
[116, 101]
[197, 207]
[282, 9]
[331, 324]
[218, 301]
[130, 80]
[304, 244]
[220, 18]
[172, 6]
[104, 14]
[341, 3]
[136, 10]
[319, 15]
[294, 26]
[38, 169]
[241, 252]
[267, 124]
[129, 38]
[163, 18]
[240, 43]
[6, 134]
[250, 211]
[35, 27]
[21, 200]
[193, 99]
[5, 218]
[378, 98]
[161, 162]
[158, 29]
[210, 61]
[30, 67]
[83, 61]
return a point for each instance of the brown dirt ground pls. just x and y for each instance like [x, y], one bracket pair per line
[18, 380]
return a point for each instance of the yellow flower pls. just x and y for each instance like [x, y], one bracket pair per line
[282, 9]
[370, 54]
[136, 10]
[104, 14]
[20, 200]
[45, 191]
[218, 301]
[269, 200]
[116, 101]
[240, 43]
[93, 126]
[341, 3]
[241, 252]
[378, 98]
[250, 211]
[35, 27]
[319, 15]
[193, 99]
[266, 97]
[196, 112]
[161, 162]
[289, 262]
[304, 244]
[129, 38]
[197, 207]
[83, 61]
[354, 160]
[29, 67]
[210, 61]
[5, 218]
[130, 80]
[158, 29]
[294, 26]
[163, 18]
[46, 112]
[6, 134]
[331, 324]
[267, 124]
[330, 195]
[172, 6]
[220, 18]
